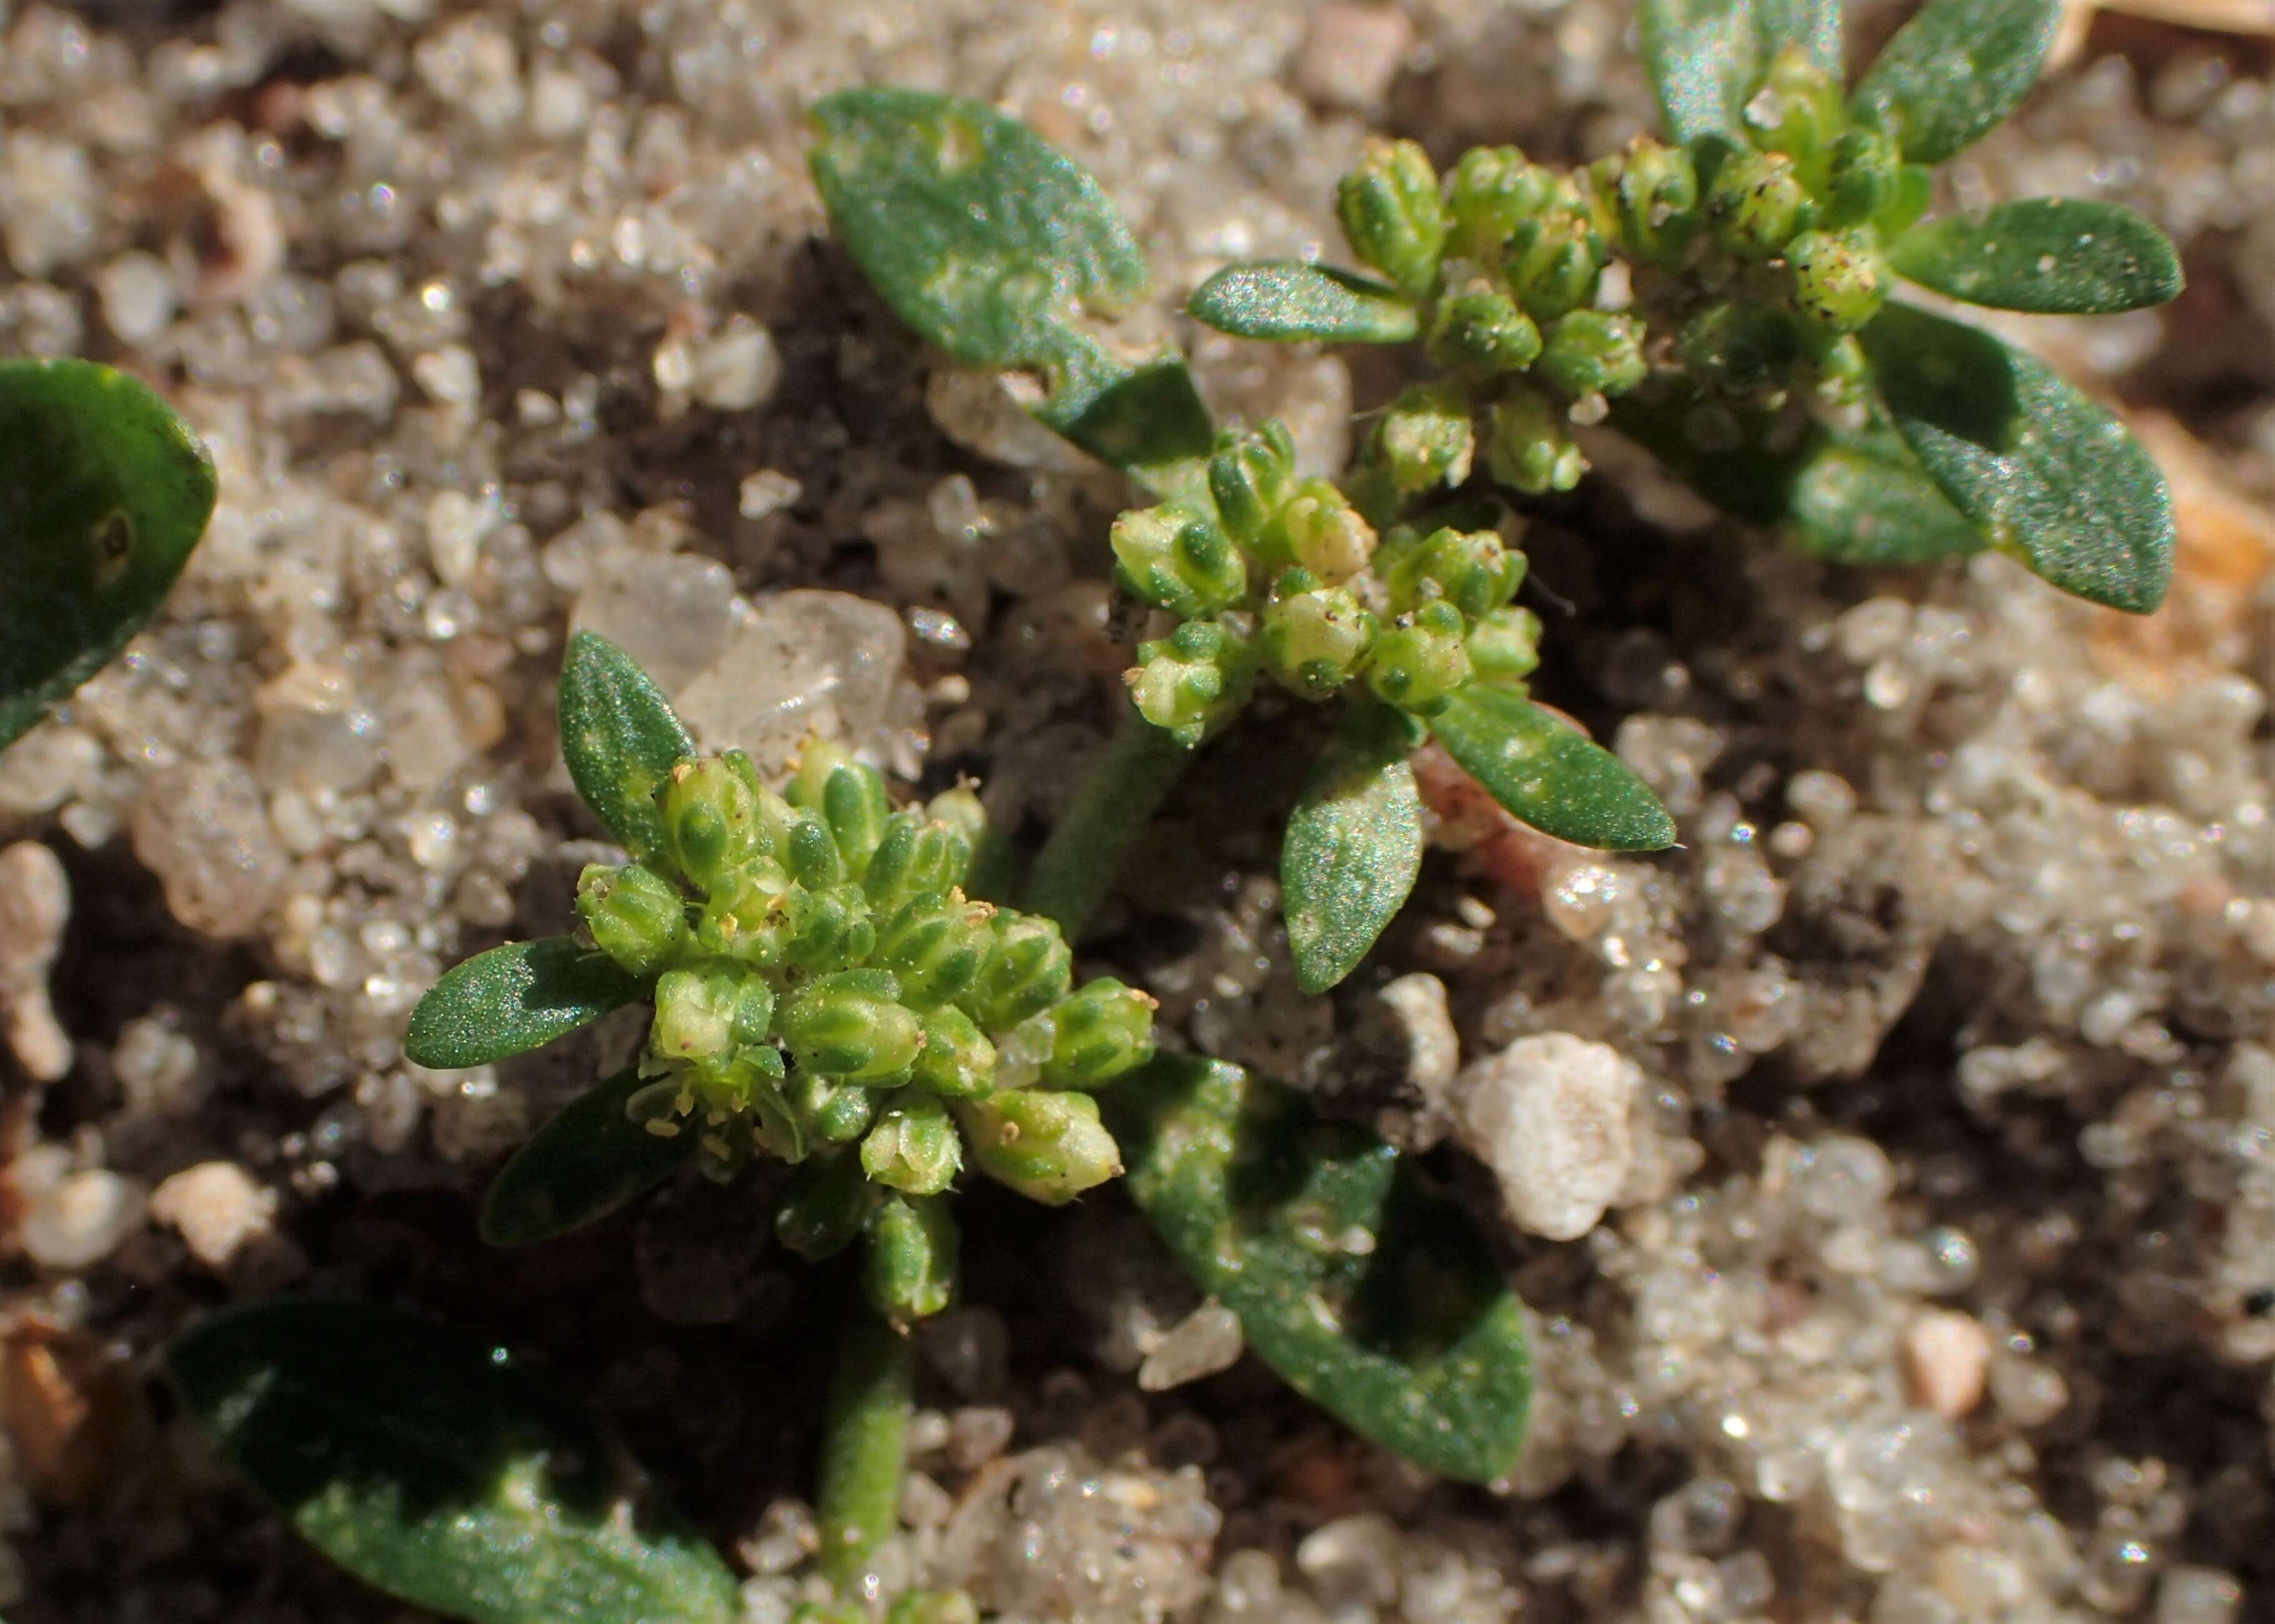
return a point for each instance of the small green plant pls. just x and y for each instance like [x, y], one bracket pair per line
[825, 996]
[103, 493]
[1758, 349]
[1364, 596]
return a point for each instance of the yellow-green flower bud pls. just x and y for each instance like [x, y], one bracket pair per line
[1314, 637]
[1839, 280]
[1474, 570]
[960, 810]
[809, 852]
[1527, 446]
[1594, 353]
[1425, 439]
[637, 916]
[935, 947]
[1047, 1144]
[1740, 348]
[1554, 263]
[910, 1274]
[1495, 191]
[828, 1110]
[1505, 644]
[704, 1014]
[1192, 681]
[913, 1146]
[1865, 167]
[848, 796]
[1099, 1033]
[920, 855]
[1029, 968]
[1652, 192]
[710, 819]
[1320, 530]
[750, 915]
[828, 930]
[1798, 111]
[1392, 213]
[1420, 661]
[1251, 475]
[851, 1025]
[1176, 557]
[1477, 324]
[1756, 204]
[827, 1203]
[958, 1062]
[1844, 373]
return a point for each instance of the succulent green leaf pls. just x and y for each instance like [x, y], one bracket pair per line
[1371, 1293]
[1545, 774]
[980, 235]
[1707, 57]
[1854, 496]
[1954, 71]
[621, 737]
[2046, 474]
[432, 1466]
[1288, 300]
[514, 999]
[580, 1166]
[1143, 419]
[2050, 256]
[103, 492]
[1353, 846]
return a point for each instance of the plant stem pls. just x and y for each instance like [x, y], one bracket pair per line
[864, 1444]
[1078, 862]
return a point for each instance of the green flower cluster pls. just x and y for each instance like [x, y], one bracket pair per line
[1753, 265]
[825, 994]
[1289, 577]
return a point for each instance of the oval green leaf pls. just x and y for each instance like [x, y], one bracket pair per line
[1707, 57]
[2046, 474]
[430, 1465]
[2050, 256]
[1288, 300]
[1547, 774]
[1353, 846]
[590, 1160]
[621, 737]
[103, 493]
[1853, 496]
[1371, 1293]
[1953, 73]
[980, 235]
[514, 999]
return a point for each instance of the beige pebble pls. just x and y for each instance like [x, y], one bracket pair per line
[34, 905]
[1549, 1115]
[1946, 1357]
[217, 1206]
[1351, 53]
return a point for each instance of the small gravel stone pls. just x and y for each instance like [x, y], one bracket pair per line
[217, 1206]
[72, 1220]
[34, 906]
[1947, 1360]
[1351, 53]
[1549, 1115]
[1202, 1343]
[202, 829]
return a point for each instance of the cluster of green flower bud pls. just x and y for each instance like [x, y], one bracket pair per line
[1276, 576]
[1755, 263]
[1774, 246]
[825, 994]
[1508, 258]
